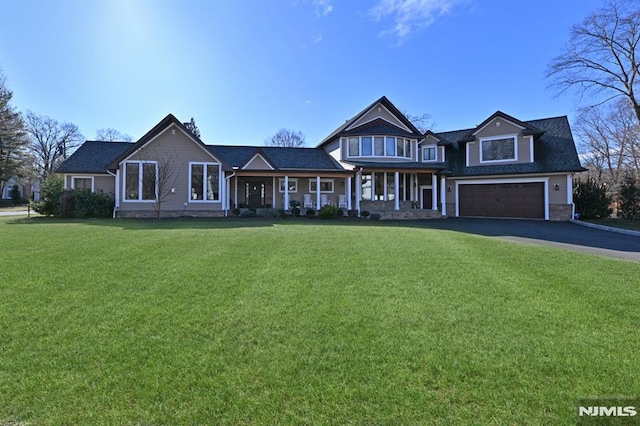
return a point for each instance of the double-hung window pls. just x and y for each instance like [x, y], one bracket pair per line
[293, 185]
[204, 182]
[429, 153]
[140, 180]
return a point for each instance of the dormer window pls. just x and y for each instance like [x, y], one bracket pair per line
[498, 149]
[429, 153]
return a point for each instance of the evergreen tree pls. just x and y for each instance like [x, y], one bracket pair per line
[591, 200]
[13, 139]
[629, 196]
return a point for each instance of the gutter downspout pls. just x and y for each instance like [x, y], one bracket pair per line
[116, 205]
[227, 180]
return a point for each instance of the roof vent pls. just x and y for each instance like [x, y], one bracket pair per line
[497, 124]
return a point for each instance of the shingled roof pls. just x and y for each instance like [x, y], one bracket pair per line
[281, 158]
[93, 157]
[388, 105]
[555, 151]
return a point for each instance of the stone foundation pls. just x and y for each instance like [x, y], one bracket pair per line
[560, 212]
[408, 210]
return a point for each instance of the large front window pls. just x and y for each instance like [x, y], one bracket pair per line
[293, 185]
[378, 146]
[502, 149]
[140, 180]
[204, 182]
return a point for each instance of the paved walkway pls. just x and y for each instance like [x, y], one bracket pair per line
[16, 213]
[558, 234]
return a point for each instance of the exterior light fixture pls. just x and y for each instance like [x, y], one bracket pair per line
[557, 186]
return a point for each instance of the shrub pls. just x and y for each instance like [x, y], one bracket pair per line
[50, 193]
[352, 213]
[365, 214]
[591, 200]
[236, 211]
[248, 213]
[14, 194]
[375, 216]
[295, 211]
[311, 213]
[67, 207]
[629, 195]
[340, 212]
[328, 212]
[93, 204]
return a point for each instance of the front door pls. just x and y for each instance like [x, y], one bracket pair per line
[426, 198]
[255, 194]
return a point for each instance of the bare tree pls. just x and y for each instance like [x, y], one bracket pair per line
[191, 126]
[286, 138]
[422, 122]
[112, 135]
[165, 174]
[50, 141]
[13, 140]
[601, 57]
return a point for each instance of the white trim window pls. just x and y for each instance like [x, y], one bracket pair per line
[378, 146]
[140, 180]
[204, 182]
[293, 185]
[429, 153]
[326, 185]
[503, 148]
[82, 182]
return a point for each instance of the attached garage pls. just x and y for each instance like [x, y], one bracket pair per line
[518, 200]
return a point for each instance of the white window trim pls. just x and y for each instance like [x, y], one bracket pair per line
[493, 138]
[544, 180]
[204, 181]
[407, 143]
[124, 181]
[435, 150]
[281, 185]
[74, 177]
[333, 185]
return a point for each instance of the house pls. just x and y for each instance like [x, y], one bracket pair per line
[376, 161]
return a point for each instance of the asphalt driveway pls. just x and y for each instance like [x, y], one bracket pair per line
[559, 234]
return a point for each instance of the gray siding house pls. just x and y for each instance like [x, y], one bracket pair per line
[376, 161]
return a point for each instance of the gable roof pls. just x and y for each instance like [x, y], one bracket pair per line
[279, 157]
[555, 151]
[388, 105]
[93, 157]
[169, 120]
[379, 127]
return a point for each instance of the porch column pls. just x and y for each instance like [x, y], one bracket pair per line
[317, 192]
[223, 193]
[235, 196]
[396, 197]
[273, 193]
[434, 192]
[286, 192]
[348, 194]
[443, 195]
[117, 189]
[411, 184]
[358, 190]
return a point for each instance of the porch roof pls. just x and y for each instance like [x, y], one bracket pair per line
[399, 165]
[297, 159]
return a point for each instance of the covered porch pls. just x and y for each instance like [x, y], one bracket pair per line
[400, 192]
[278, 189]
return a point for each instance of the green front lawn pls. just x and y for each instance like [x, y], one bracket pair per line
[305, 322]
[617, 223]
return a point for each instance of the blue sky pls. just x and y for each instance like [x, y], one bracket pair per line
[245, 68]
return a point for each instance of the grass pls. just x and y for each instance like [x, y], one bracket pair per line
[299, 322]
[617, 223]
